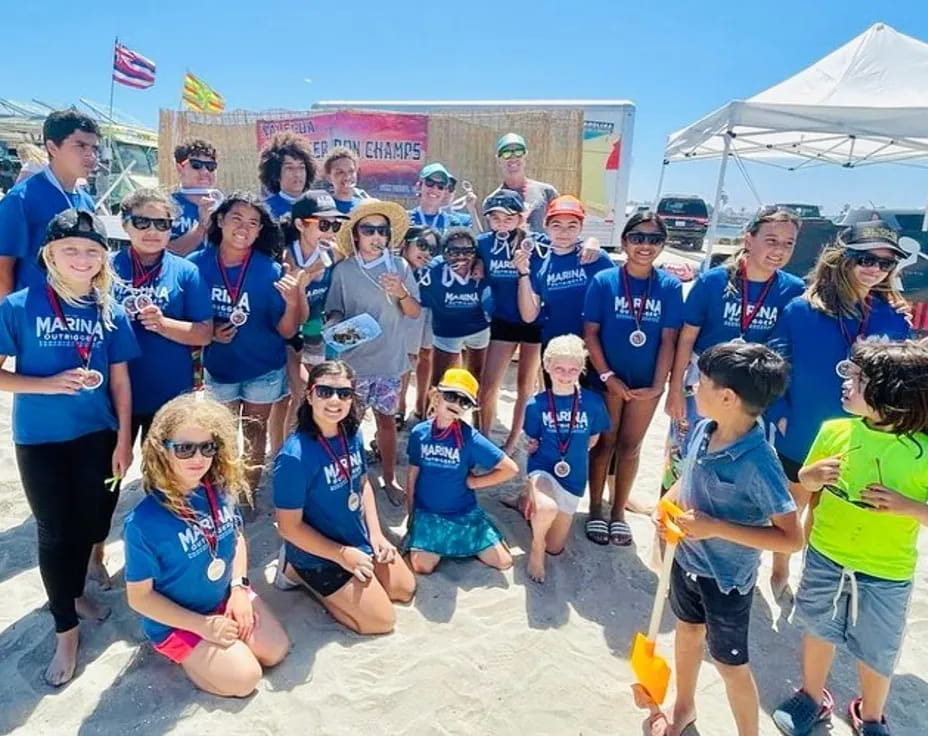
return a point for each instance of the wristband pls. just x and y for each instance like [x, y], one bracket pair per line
[523, 275]
[606, 376]
[241, 582]
[406, 295]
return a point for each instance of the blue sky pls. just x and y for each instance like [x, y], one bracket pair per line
[677, 60]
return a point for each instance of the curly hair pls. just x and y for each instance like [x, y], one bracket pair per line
[305, 422]
[271, 163]
[227, 471]
[194, 147]
[831, 286]
[336, 154]
[897, 384]
[269, 237]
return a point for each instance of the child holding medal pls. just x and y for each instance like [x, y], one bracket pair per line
[445, 519]
[562, 424]
[186, 556]
[632, 316]
[72, 413]
[326, 511]
[167, 300]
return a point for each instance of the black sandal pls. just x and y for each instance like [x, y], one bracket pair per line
[597, 531]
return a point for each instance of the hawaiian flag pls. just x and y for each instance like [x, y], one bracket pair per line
[131, 68]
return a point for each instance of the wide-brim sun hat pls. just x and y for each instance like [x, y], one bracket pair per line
[396, 216]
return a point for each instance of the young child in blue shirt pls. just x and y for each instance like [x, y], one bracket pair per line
[736, 504]
[445, 519]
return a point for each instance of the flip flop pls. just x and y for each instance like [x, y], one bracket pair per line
[620, 533]
[597, 531]
[400, 421]
[373, 454]
[394, 495]
[862, 727]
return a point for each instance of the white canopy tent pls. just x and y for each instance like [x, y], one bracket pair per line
[865, 103]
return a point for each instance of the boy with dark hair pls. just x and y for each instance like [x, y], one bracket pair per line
[736, 504]
[71, 141]
[286, 170]
[341, 172]
[197, 196]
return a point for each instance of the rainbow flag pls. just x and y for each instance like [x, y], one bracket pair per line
[200, 97]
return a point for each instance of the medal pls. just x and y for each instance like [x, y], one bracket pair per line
[562, 469]
[354, 501]
[844, 368]
[92, 379]
[637, 338]
[738, 341]
[215, 570]
[129, 304]
[749, 311]
[143, 302]
[238, 317]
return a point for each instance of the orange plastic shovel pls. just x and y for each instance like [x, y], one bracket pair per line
[653, 672]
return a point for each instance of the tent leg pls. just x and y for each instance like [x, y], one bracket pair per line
[714, 219]
[660, 185]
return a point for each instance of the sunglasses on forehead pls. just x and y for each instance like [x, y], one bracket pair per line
[865, 259]
[645, 238]
[140, 222]
[368, 230]
[508, 153]
[196, 164]
[344, 393]
[453, 397]
[186, 450]
[325, 225]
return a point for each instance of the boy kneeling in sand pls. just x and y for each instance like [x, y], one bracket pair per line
[737, 504]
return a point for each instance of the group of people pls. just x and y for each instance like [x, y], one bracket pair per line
[784, 395]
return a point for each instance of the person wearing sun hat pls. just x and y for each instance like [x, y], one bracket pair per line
[435, 181]
[372, 280]
[445, 519]
[511, 153]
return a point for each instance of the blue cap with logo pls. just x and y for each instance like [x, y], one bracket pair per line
[507, 201]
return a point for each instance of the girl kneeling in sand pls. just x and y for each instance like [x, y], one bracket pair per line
[445, 519]
[186, 556]
[326, 511]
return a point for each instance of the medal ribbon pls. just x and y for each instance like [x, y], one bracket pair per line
[239, 282]
[83, 351]
[140, 275]
[344, 468]
[562, 445]
[189, 517]
[637, 312]
[452, 429]
[861, 328]
[749, 311]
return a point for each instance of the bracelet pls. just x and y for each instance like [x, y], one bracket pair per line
[406, 295]
[606, 376]
[523, 275]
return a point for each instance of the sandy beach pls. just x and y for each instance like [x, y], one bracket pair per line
[477, 652]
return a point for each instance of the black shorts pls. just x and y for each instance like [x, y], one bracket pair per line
[325, 579]
[790, 467]
[505, 331]
[726, 616]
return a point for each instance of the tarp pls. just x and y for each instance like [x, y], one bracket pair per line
[865, 103]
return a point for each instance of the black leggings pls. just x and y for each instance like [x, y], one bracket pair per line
[64, 484]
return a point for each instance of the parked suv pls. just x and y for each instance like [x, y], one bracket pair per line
[686, 217]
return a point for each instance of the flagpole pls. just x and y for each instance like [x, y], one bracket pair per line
[113, 78]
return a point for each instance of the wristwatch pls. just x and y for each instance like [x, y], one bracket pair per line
[242, 582]
[606, 376]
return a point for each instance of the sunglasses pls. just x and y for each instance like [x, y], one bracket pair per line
[455, 398]
[140, 222]
[424, 244]
[196, 164]
[327, 392]
[435, 184]
[842, 494]
[508, 153]
[460, 252]
[869, 260]
[186, 450]
[645, 238]
[368, 230]
[325, 225]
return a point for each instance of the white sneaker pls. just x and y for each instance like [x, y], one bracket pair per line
[281, 581]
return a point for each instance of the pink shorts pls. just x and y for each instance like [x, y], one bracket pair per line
[178, 645]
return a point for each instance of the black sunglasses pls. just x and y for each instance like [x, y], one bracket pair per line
[869, 260]
[196, 164]
[161, 224]
[645, 238]
[453, 397]
[423, 243]
[368, 230]
[186, 450]
[460, 252]
[325, 225]
[327, 392]
[842, 494]
[435, 184]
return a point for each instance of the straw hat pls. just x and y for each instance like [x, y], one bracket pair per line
[396, 216]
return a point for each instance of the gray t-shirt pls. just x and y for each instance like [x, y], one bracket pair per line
[537, 195]
[353, 293]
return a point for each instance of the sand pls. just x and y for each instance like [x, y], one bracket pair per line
[477, 652]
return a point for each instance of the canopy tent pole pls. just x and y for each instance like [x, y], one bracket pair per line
[714, 219]
[660, 185]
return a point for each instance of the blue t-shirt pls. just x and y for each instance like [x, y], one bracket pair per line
[457, 310]
[189, 216]
[502, 277]
[607, 305]
[257, 347]
[43, 346]
[25, 212]
[346, 205]
[165, 368]
[813, 344]
[561, 283]
[715, 307]
[174, 555]
[743, 484]
[306, 477]
[444, 465]
[279, 205]
[592, 419]
[440, 221]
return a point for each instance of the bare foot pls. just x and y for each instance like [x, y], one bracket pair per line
[395, 493]
[782, 593]
[682, 720]
[511, 447]
[61, 668]
[639, 507]
[97, 573]
[89, 609]
[536, 564]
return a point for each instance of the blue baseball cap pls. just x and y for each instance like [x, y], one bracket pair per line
[508, 201]
[510, 139]
[436, 171]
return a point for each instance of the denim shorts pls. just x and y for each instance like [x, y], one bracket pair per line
[825, 608]
[265, 389]
[477, 341]
[380, 393]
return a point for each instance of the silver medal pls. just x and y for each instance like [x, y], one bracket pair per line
[844, 368]
[92, 379]
[562, 469]
[637, 338]
[129, 303]
[739, 341]
[238, 317]
[216, 569]
[354, 501]
[143, 302]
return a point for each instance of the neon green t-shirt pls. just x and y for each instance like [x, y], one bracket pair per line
[861, 539]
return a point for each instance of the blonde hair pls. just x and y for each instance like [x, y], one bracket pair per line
[29, 153]
[101, 284]
[227, 471]
[831, 285]
[565, 346]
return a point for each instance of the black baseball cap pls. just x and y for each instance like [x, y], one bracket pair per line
[76, 224]
[504, 200]
[315, 203]
[871, 235]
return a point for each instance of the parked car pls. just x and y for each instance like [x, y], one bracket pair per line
[805, 211]
[686, 217]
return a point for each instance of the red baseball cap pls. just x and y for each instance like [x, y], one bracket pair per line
[566, 204]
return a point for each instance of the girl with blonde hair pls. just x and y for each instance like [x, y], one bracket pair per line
[71, 414]
[186, 555]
